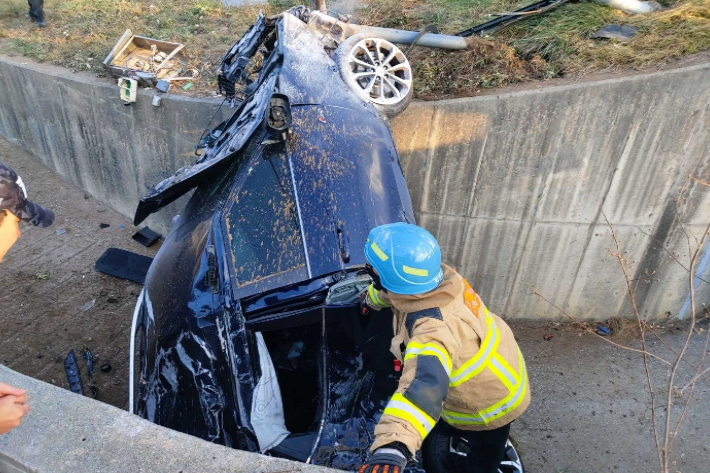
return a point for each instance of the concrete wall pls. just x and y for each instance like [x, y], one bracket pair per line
[80, 128]
[68, 433]
[513, 185]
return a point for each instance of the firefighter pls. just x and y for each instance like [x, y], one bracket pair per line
[463, 373]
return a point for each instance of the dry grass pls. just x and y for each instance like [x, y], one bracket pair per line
[556, 43]
[79, 34]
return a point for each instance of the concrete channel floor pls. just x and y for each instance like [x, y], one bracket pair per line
[590, 409]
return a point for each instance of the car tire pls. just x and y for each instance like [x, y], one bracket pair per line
[439, 447]
[377, 71]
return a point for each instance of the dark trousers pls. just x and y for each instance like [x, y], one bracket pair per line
[36, 9]
[486, 448]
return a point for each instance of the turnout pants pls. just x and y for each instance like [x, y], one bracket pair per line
[36, 9]
[486, 449]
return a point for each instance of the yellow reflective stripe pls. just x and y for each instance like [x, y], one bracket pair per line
[431, 349]
[415, 271]
[381, 254]
[476, 364]
[506, 368]
[401, 407]
[501, 373]
[510, 402]
[372, 292]
[462, 419]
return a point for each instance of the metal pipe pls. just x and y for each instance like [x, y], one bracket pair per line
[395, 36]
[430, 40]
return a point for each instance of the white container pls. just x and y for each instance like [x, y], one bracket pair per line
[128, 89]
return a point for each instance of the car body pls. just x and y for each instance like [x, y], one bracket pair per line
[269, 249]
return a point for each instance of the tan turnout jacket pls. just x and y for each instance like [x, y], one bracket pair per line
[461, 364]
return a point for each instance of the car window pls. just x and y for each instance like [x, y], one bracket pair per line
[262, 222]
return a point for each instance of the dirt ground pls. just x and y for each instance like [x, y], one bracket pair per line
[590, 409]
[48, 280]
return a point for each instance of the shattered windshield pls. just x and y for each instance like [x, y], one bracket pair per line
[262, 223]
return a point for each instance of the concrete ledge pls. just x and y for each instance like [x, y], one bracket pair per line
[65, 432]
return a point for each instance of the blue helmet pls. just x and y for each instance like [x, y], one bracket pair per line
[407, 258]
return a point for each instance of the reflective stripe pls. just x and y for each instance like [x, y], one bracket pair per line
[415, 271]
[372, 292]
[381, 254]
[403, 409]
[431, 349]
[507, 404]
[511, 401]
[502, 373]
[476, 364]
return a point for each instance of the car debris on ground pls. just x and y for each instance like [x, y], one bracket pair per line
[621, 33]
[146, 62]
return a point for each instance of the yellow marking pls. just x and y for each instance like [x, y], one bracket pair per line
[415, 271]
[381, 254]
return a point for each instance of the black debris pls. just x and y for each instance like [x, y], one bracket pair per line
[146, 236]
[622, 33]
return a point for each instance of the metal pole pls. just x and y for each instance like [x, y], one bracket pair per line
[320, 6]
[396, 36]
[430, 40]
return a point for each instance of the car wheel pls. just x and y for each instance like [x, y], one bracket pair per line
[439, 448]
[377, 71]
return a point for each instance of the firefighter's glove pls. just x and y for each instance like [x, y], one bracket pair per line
[386, 460]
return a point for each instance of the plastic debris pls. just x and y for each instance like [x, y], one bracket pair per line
[187, 86]
[602, 330]
[146, 237]
[106, 367]
[548, 337]
[73, 375]
[61, 231]
[156, 100]
[163, 86]
[88, 305]
[104, 225]
[89, 357]
[124, 264]
[622, 33]
[122, 226]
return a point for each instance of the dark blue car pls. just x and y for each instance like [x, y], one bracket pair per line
[248, 332]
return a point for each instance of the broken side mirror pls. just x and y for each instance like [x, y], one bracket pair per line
[278, 116]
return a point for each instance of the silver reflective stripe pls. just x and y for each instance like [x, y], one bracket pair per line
[443, 356]
[520, 391]
[403, 406]
[463, 417]
[482, 360]
[508, 375]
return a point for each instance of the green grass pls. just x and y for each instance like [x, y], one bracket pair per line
[79, 34]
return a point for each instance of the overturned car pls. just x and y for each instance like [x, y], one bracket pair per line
[248, 331]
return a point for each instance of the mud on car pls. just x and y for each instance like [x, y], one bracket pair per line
[248, 332]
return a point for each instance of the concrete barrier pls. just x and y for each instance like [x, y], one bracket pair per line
[65, 432]
[514, 185]
[78, 126]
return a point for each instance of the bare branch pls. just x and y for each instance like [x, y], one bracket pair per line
[641, 324]
[588, 330]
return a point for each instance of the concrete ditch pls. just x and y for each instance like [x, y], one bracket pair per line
[515, 185]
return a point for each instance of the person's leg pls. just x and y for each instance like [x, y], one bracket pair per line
[31, 12]
[486, 449]
[37, 10]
